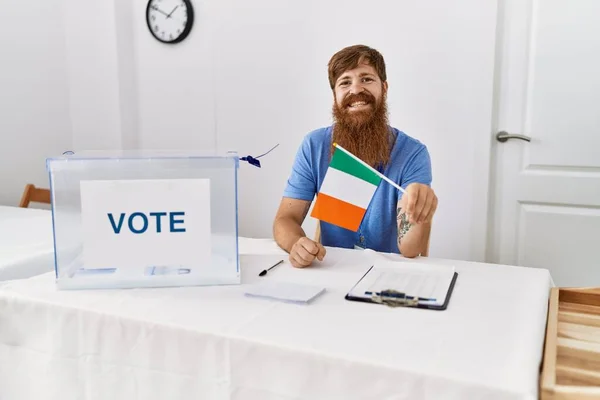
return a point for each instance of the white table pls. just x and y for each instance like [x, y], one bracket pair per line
[215, 343]
[26, 243]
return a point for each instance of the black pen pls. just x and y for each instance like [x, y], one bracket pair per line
[264, 271]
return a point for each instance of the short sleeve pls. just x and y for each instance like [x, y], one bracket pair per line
[418, 169]
[302, 182]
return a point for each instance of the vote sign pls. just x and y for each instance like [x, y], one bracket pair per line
[141, 223]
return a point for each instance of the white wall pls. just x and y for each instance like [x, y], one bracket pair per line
[252, 75]
[176, 89]
[68, 83]
[34, 108]
[101, 74]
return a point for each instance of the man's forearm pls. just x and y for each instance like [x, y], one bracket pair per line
[286, 232]
[414, 241]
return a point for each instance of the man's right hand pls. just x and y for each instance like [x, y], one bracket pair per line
[304, 251]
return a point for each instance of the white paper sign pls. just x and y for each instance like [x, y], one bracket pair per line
[140, 223]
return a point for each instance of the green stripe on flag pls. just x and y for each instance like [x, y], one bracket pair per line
[345, 163]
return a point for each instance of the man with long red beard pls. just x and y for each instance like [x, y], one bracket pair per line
[394, 222]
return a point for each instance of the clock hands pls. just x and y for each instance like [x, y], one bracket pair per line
[173, 26]
[154, 7]
[159, 10]
[169, 16]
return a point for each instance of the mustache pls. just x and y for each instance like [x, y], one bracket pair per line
[362, 96]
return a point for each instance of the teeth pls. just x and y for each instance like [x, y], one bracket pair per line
[358, 103]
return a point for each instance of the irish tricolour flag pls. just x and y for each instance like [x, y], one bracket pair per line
[347, 190]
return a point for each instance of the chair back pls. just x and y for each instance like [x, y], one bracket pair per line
[34, 194]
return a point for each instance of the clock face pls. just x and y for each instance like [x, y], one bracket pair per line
[170, 21]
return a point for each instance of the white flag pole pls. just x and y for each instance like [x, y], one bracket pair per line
[388, 180]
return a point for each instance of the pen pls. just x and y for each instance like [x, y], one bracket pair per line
[264, 271]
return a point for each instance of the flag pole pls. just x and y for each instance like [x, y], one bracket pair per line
[388, 180]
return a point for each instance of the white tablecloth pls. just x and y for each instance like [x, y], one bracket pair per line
[26, 243]
[215, 343]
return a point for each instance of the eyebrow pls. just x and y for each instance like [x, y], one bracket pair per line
[362, 74]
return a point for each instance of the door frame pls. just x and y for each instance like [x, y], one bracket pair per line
[513, 35]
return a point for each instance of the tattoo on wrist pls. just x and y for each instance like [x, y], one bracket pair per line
[403, 224]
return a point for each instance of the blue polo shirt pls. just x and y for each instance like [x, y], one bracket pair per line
[409, 162]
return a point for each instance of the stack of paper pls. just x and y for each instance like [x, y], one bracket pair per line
[284, 291]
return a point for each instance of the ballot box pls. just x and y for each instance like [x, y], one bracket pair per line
[144, 219]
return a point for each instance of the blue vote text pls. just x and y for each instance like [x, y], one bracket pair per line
[139, 222]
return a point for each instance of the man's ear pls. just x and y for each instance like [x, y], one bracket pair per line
[385, 87]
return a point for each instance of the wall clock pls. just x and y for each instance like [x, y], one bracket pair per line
[170, 21]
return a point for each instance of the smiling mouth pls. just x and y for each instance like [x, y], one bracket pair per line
[357, 104]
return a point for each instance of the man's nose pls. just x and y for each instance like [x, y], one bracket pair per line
[356, 88]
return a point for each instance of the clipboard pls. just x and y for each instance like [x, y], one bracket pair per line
[394, 298]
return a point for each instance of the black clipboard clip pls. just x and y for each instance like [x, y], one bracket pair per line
[393, 298]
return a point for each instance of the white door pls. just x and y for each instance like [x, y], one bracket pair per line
[545, 209]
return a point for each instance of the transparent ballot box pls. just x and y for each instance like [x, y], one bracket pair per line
[144, 219]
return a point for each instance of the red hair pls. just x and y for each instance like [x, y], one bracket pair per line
[351, 57]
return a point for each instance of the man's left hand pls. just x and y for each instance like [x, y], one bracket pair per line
[419, 202]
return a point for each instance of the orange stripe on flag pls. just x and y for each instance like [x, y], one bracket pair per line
[337, 212]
